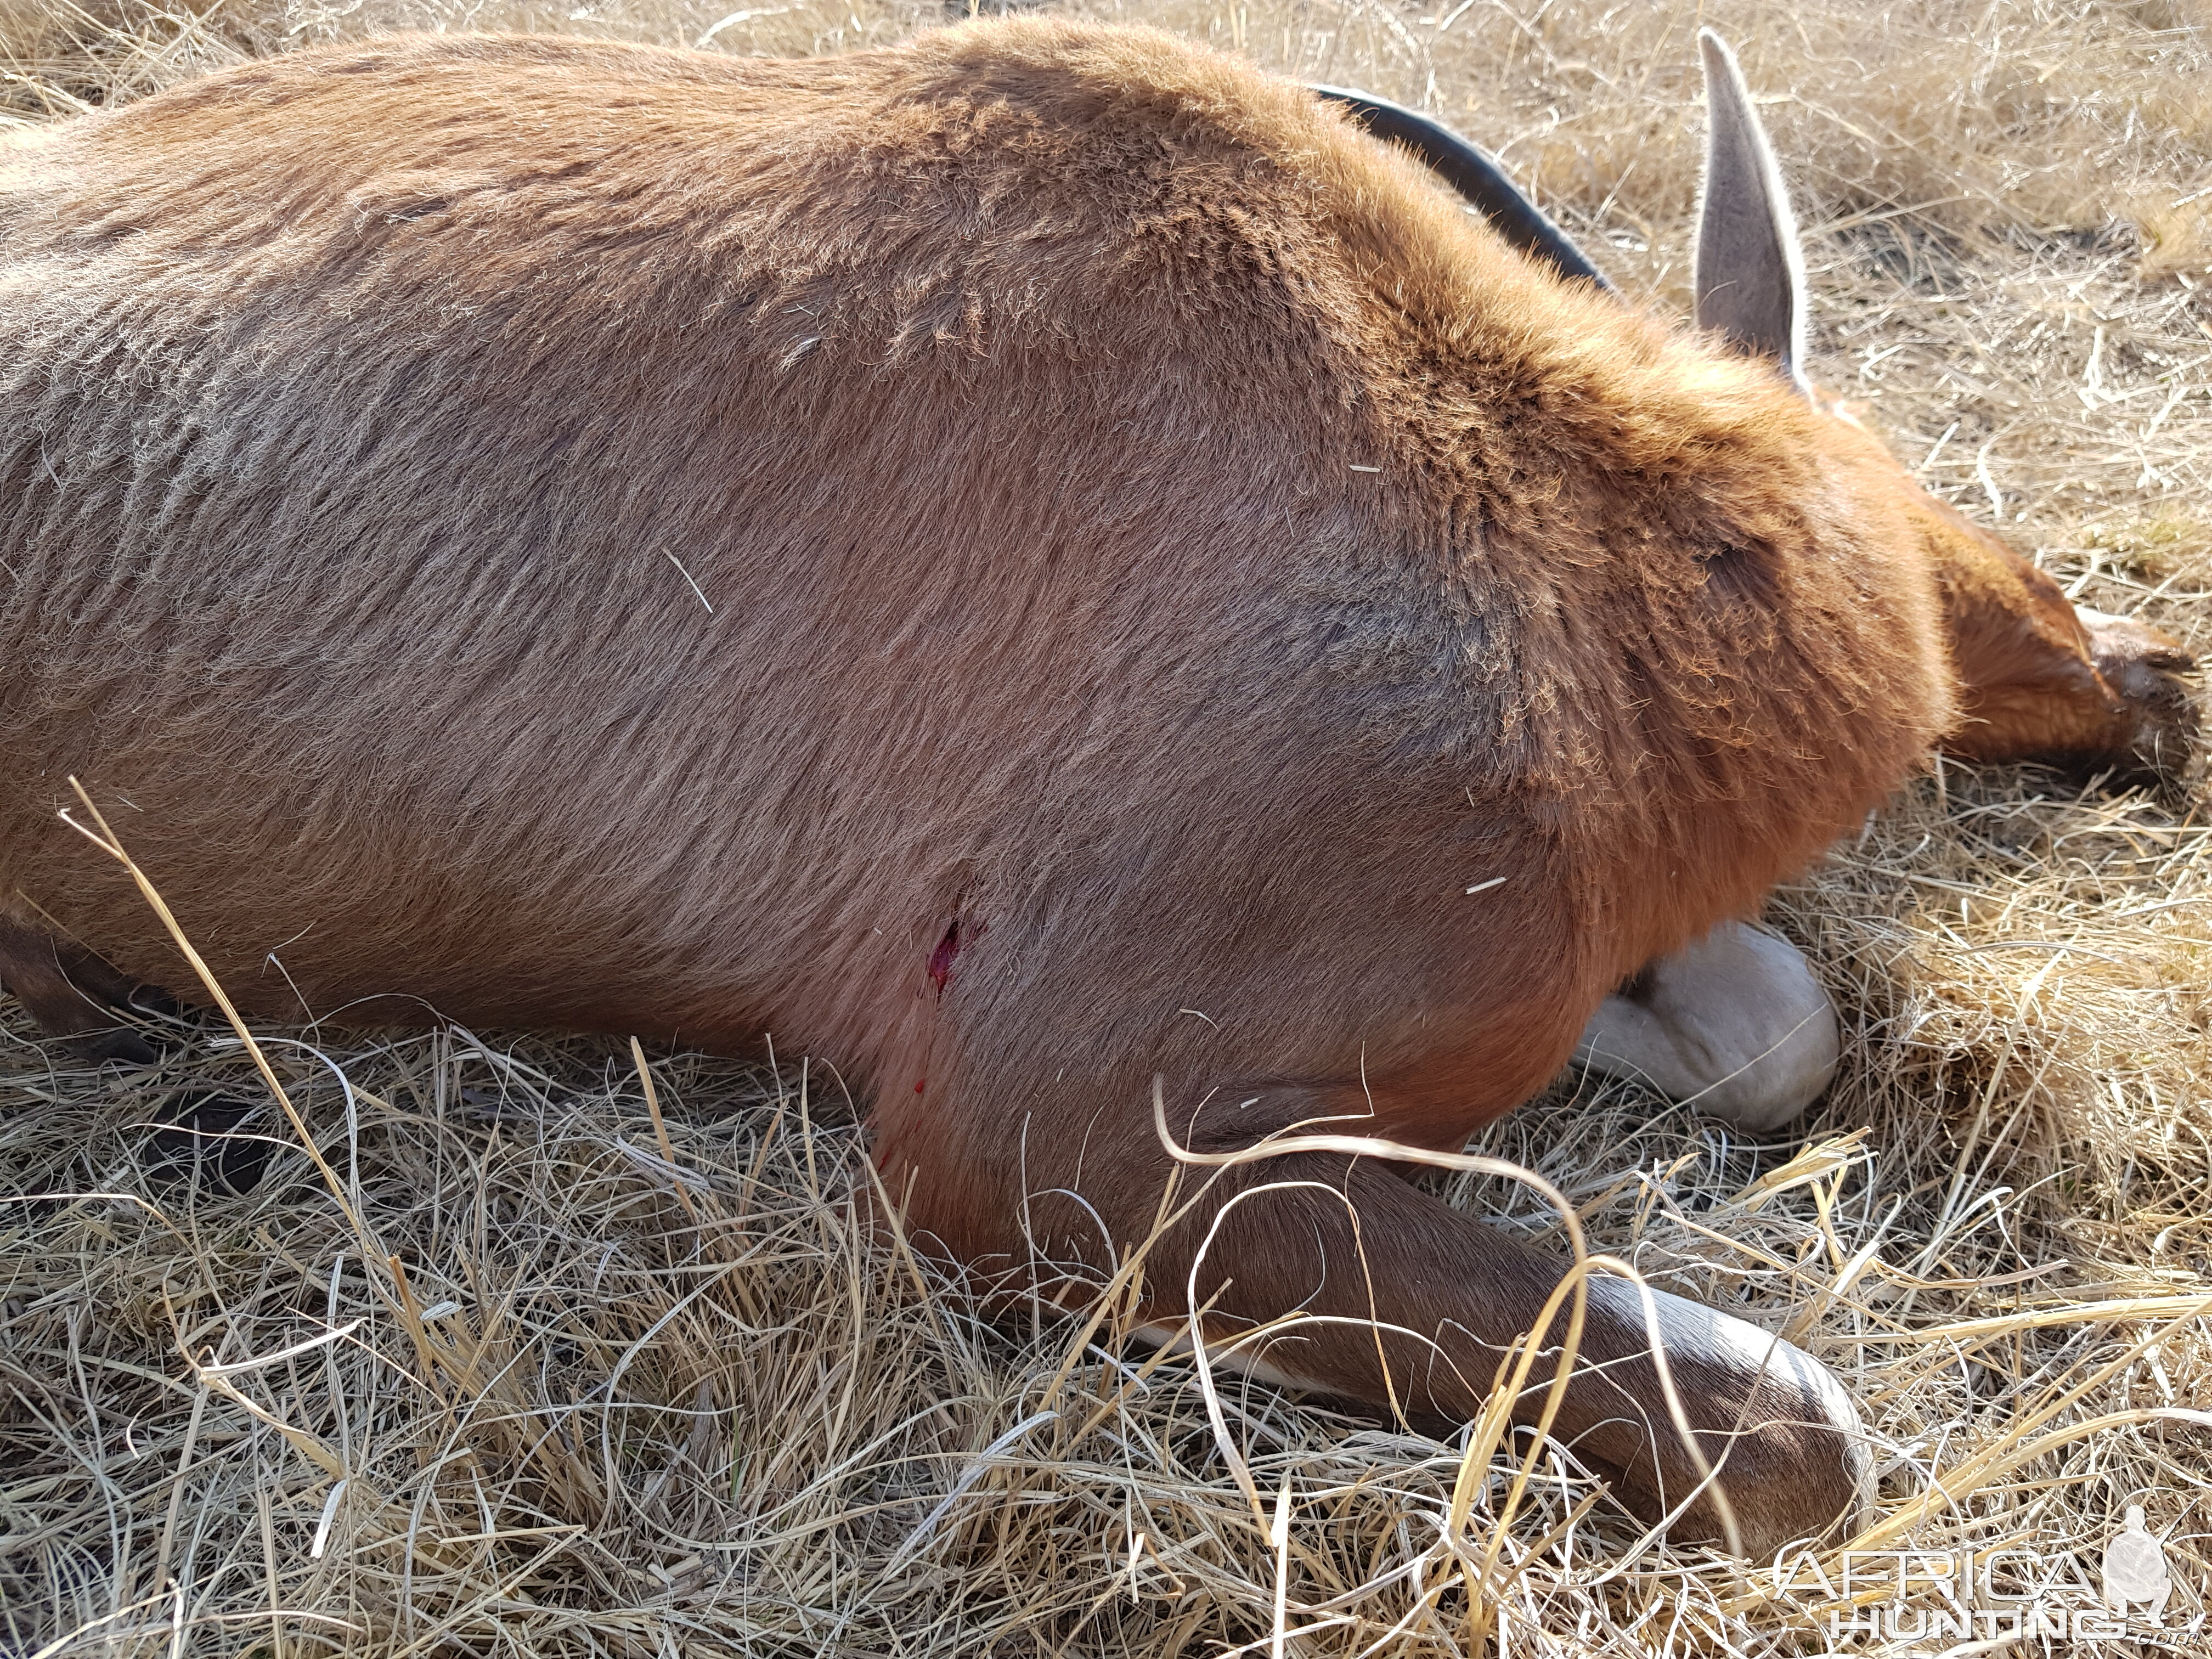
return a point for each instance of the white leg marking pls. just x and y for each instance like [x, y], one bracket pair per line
[1175, 1339]
[1701, 1343]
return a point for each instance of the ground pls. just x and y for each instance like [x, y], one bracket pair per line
[543, 1360]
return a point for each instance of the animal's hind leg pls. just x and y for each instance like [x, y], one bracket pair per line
[2039, 680]
[70, 993]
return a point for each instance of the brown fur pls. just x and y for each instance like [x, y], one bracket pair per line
[1162, 555]
[2038, 682]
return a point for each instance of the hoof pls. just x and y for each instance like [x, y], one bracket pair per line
[120, 1043]
[1735, 1024]
[200, 1141]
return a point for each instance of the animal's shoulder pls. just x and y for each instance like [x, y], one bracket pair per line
[1109, 191]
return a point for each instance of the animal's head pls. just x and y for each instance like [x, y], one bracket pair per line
[2037, 678]
[2034, 678]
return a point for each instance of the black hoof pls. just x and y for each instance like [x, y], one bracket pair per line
[121, 1044]
[201, 1142]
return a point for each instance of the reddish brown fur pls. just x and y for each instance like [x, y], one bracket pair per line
[2039, 682]
[1011, 397]
[2036, 679]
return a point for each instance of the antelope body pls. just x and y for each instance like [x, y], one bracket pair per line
[1030, 562]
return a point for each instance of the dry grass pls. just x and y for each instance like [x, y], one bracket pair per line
[530, 1378]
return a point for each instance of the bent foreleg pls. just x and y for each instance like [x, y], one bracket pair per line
[1334, 1273]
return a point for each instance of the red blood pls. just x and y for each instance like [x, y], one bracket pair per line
[941, 959]
[918, 1083]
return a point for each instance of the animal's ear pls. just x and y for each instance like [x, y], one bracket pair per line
[1750, 274]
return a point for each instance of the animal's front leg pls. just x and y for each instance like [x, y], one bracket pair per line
[1372, 1266]
[1387, 1295]
[1735, 1024]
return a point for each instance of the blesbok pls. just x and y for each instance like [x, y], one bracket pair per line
[1034, 561]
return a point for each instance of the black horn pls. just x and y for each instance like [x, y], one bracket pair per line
[1475, 174]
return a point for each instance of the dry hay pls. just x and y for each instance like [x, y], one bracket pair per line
[541, 1371]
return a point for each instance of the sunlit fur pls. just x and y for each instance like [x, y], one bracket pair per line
[1023, 563]
[1004, 395]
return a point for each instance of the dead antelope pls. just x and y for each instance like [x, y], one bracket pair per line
[1035, 561]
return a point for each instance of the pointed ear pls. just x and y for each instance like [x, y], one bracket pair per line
[1750, 274]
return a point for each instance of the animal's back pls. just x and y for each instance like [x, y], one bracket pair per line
[363, 487]
[639, 539]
